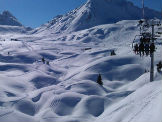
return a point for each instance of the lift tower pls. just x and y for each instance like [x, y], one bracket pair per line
[152, 55]
[147, 37]
[143, 9]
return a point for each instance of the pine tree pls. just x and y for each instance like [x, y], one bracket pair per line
[47, 62]
[43, 60]
[99, 80]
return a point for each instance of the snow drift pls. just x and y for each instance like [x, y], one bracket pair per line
[65, 88]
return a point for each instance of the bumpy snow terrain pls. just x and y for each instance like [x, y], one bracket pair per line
[65, 90]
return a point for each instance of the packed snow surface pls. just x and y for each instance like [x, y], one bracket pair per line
[76, 48]
[66, 89]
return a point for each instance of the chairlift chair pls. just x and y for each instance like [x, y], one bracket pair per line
[159, 31]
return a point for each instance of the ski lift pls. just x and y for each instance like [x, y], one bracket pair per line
[159, 24]
[145, 40]
[146, 37]
[141, 21]
[159, 31]
[144, 25]
[142, 44]
[159, 66]
[134, 41]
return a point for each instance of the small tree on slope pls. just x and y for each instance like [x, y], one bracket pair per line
[99, 80]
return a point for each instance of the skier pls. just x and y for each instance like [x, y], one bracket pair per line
[152, 48]
[141, 40]
[141, 48]
[147, 49]
[136, 48]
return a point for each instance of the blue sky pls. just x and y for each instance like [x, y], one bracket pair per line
[33, 13]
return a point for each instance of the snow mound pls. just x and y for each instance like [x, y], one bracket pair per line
[65, 88]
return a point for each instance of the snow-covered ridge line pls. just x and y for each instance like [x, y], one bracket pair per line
[10, 25]
[6, 18]
[96, 12]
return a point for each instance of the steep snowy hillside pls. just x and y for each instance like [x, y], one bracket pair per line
[96, 12]
[65, 89]
[6, 18]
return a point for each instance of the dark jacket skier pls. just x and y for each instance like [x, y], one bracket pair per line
[141, 49]
[152, 48]
[136, 48]
[147, 47]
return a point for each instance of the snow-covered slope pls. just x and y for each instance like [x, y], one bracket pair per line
[66, 89]
[6, 18]
[96, 12]
[141, 106]
[7, 29]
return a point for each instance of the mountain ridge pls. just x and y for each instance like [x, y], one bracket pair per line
[94, 13]
[6, 18]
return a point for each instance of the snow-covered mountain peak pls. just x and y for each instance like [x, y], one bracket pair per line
[96, 12]
[7, 14]
[114, 1]
[6, 18]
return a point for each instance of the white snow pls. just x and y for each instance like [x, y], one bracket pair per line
[66, 89]
[93, 13]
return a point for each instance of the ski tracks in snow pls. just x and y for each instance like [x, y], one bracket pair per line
[147, 101]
